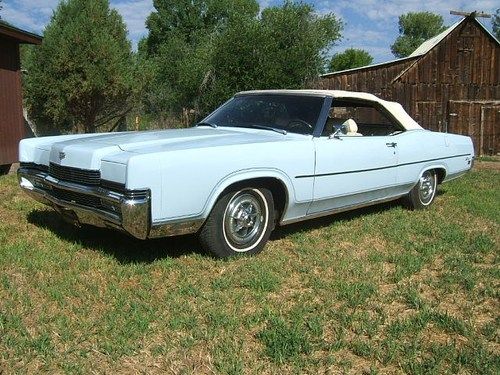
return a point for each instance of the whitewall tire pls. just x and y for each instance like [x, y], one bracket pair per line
[240, 222]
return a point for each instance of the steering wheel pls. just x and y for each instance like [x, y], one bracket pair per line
[301, 126]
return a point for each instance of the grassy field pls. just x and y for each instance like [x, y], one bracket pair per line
[377, 291]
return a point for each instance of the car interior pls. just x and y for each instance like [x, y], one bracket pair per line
[357, 119]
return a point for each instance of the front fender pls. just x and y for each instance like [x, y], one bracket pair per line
[249, 174]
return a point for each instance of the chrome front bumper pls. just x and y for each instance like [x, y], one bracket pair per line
[122, 211]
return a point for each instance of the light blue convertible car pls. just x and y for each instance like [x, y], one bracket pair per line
[261, 159]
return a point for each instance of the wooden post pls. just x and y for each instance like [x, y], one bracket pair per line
[470, 14]
[481, 133]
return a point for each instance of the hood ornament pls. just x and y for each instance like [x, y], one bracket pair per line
[62, 155]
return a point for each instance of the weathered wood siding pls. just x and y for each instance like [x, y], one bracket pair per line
[464, 66]
[377, 79]
[11, 115]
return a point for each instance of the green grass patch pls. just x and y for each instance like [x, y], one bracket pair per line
[489, 158]
[284, 341]
[377, 290]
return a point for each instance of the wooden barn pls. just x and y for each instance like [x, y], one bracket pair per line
[11, 105]
[449, 84]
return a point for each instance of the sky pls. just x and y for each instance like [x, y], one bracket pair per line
[368, 24]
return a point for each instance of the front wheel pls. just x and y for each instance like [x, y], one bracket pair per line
[240, 223]
[424, 192]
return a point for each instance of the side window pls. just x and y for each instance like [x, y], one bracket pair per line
[357, 119]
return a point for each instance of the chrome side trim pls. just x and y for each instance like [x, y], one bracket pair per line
[175, 228]
[386, 188]
[455, 175]
[340, 209]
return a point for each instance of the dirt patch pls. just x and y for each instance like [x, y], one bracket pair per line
[491, 165]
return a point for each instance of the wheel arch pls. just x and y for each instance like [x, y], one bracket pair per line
[441, 174]
[277, 182]
[439, 169]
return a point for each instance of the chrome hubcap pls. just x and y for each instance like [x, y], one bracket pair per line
[427, 187]
[243, 219]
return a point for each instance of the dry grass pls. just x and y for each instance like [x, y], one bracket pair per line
[381, 290]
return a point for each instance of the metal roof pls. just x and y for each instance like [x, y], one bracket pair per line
[423, 49]
[370, 66]
[432, 42]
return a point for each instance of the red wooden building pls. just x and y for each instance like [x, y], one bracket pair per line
[449, 84]
[11, 106]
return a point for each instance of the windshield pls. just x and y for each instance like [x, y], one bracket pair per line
[291, 113]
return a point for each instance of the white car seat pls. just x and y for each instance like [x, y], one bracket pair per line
[351, 128]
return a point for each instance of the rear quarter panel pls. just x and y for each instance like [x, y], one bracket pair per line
[420, 150]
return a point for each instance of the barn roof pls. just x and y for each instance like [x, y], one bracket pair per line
[422, 50]
[434, 41]
[395, 61]
[21, 36]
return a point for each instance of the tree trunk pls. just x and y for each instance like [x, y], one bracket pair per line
[89, 124]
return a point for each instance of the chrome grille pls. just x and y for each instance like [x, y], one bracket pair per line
[30, 165]
[79, 176]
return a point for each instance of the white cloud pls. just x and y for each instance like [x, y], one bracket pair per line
[264, 3]
[389, 9]
[25, 14]
[19, 18]
[369, 24]
[134, 13]
[34, 15]
[373, 24]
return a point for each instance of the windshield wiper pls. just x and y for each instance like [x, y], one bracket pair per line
[277, 130]
[205, 123]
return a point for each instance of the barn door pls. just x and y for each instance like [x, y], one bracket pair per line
[478, 120]
[490, 124]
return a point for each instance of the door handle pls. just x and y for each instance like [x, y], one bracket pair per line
[391, 144]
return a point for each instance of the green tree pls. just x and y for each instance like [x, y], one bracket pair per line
[349, 59]
[200, 61]
[284, 48]
[80, 78]
[496, 24]
[414, 29]
[296, 41]
[179, 46]
[192, 20]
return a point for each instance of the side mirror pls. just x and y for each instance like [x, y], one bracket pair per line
[342, 129]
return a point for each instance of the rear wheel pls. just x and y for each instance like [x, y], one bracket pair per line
[424, 192]
[4, 169]
[240, 223]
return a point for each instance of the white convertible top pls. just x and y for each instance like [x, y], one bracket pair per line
[394, 108]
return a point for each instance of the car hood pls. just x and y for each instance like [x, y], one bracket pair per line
[174, 139]
[87, 152]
